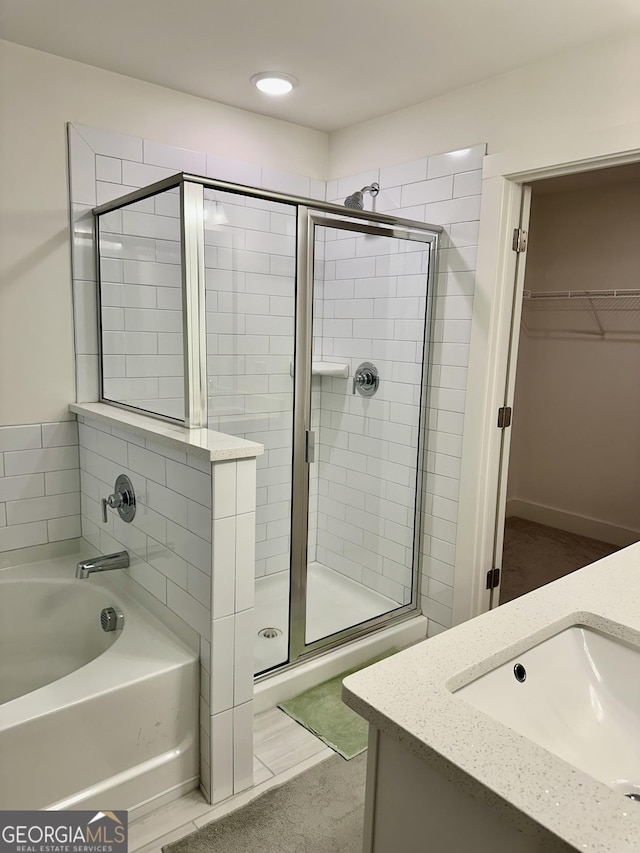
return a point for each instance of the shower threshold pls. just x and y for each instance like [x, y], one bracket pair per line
[334, 602]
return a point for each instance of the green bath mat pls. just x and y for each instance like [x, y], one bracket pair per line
[321, 710]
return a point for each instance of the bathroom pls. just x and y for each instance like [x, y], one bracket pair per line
[45, 92]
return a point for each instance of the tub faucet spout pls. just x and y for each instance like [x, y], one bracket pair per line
[102, 564]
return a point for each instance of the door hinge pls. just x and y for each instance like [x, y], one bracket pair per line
[493, 578]
[504, 417]
[519, 243]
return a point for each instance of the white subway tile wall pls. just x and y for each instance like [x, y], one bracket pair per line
[183, 505]
[141, 303]
[442, 189]
[370, 307]
[164, 547]
[230, 696]
[39, 484]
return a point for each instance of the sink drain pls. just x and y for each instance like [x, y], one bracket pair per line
[270, 633]
[520, 673]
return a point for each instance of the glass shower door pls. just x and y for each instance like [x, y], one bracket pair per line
[369, 304]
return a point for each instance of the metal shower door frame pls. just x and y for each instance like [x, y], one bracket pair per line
[309, 213]
[191, 188]
[308, 219]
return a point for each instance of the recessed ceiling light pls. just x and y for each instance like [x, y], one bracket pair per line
[274, 83]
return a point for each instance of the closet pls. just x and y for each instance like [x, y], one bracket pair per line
[573, 492]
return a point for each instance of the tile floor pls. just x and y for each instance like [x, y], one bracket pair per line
[282, 750]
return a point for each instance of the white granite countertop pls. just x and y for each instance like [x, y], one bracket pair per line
[207, 443]
[408, 697]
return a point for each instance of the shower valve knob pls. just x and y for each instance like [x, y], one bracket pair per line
[366, 379]
[123, 499]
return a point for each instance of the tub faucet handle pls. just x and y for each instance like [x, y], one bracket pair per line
[123, 499]
[114, 501]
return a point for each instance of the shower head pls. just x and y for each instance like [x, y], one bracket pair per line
[356, 200]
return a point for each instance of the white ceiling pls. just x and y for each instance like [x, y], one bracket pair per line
[355, 59]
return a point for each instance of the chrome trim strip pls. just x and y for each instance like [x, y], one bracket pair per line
[396, 229]
[272, 195]
[423, 418]
[138, 195]
[299, 649]
[385, 620]
[96, 250]
[301, 423]
[193, 305]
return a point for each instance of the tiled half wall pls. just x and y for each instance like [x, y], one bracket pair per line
[191, 546]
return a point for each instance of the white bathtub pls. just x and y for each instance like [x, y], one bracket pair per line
[90, 719]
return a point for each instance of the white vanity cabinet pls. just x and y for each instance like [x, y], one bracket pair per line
[452, 769]
[411, 808]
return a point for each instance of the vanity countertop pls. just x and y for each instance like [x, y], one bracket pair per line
[409, 698]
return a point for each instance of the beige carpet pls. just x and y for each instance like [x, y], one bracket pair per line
[535, 555]
[320, 811]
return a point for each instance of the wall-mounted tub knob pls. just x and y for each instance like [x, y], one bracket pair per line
[123, 499]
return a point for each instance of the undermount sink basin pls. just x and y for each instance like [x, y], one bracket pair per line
[577, 695]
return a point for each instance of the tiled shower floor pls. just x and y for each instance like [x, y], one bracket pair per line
[334, 602]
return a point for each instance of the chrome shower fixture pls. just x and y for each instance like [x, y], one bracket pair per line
[356, 200]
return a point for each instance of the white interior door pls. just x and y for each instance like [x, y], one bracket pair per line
[514, 340]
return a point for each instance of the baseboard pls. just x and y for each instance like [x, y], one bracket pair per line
[572, 523]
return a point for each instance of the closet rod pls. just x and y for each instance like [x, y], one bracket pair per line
[581, 294]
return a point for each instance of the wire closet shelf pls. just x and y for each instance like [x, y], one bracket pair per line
[584, 314]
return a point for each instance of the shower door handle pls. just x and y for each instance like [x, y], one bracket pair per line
[310, 446]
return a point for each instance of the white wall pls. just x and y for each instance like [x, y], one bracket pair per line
[39, 93]
[577, 93]
[577, 411]
[585, 239]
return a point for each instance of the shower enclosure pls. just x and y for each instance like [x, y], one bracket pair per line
[304, 326]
